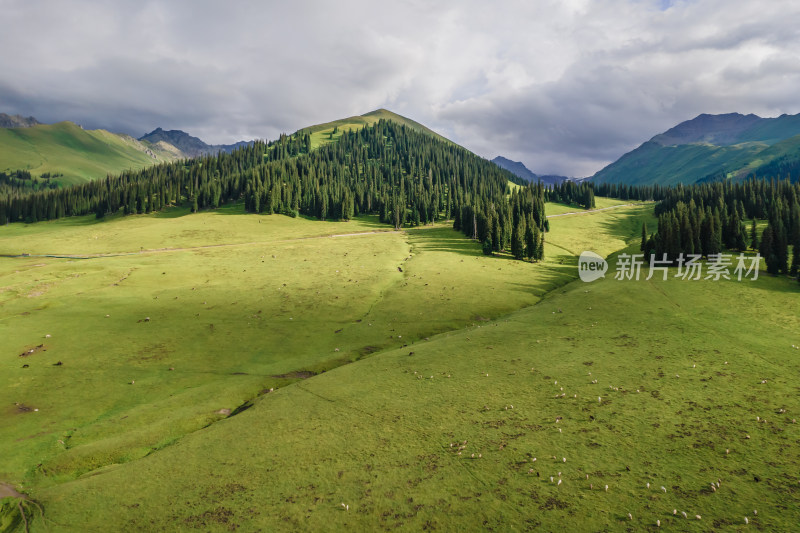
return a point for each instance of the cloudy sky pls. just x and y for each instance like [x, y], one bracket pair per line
[564, 86]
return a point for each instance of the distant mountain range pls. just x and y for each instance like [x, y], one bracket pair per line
[187, 145]
[731, 146]
[706, 148]
[519, 169]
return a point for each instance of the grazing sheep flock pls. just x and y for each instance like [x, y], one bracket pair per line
[559, 478]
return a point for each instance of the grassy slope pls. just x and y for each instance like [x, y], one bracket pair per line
[320, 133]
[787, 148]
[374, 434]
[223, 318]
[670, 165]
[66, 148]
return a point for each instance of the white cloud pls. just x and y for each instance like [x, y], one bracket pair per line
[566, 87]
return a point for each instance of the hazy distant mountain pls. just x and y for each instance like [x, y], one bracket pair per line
[709, 147]
[519, 169]
[188, 145]
[17, 121]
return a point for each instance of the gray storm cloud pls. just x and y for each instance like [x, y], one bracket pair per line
[565, 87]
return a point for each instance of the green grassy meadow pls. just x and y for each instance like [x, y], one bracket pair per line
[224, 371]
[555, 208]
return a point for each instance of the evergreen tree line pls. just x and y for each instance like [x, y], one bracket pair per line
[622, 191]
[21, 181]
[707, 218]
[570, 192]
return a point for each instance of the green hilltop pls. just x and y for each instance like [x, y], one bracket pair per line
[323, 133]
[79, 155]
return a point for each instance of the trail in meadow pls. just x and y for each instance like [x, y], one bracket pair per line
[190, 248]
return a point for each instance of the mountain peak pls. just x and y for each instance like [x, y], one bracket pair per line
[720, 129]
[17, 121]
[188, 145]
[519, 169]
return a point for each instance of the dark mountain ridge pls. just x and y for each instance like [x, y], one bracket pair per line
[17, 121]
[519, 169]
[189, 145]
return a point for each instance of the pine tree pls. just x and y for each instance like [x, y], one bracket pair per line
[540, 248]
[753, 235]
[767, 250]
[487, 245]
[518, 241]
[643, 245]
[706, 233]
[795, 268]
[530, 241]
[716, 241]
[781, 246]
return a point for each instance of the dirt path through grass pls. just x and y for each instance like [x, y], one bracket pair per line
[190, 248]
[8, 491]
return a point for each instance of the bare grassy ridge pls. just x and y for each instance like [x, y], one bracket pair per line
[270, 307]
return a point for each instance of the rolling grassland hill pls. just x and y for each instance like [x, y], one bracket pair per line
[75, 154]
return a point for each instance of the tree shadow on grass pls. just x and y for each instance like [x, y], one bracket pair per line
[173, 212]
[630, 227]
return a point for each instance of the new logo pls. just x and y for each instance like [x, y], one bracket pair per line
[591, 266]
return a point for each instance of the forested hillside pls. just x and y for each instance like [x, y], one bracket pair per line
[405, 176]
